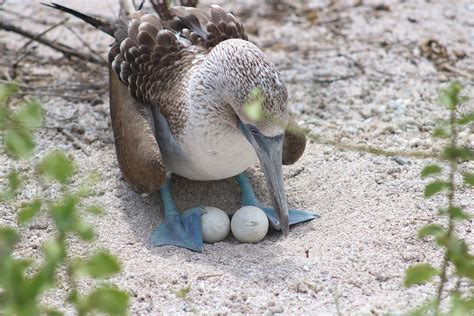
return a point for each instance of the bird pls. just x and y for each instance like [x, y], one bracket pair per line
[180, 92]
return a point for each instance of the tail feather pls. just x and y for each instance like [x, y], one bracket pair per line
[104, 26]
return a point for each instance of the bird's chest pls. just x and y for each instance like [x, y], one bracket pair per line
[213, 152]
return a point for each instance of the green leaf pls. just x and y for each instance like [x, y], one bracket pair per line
[450, 97]
[468, 178]
[14, 180]
[6, 90]
[423, 310]
[419, 274]
[100, 265]
[108, 300]
[8, 238]
[63, 214]
[52, 312]
[435, 187]
[4, 114]
[253, 108]
[30, 115]
[446, 100]
[441, 132]
[434, 230]
[183, 292]
[57, 166]
[430, 170]
[96, 210]
[457, 213]
[19, 143]
[29, 211]
[14, 183]
[458, 253]
[84, 230]
[454, 153]
[466, 119]
[460, 306]
[54, 250]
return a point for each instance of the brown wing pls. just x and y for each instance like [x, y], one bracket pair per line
[207, 27]
[146, 55]
[294, 143]
[153, 57]
[138, 153]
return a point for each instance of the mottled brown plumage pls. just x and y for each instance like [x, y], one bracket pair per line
[294, 143]
[151, 62]
[138, 154]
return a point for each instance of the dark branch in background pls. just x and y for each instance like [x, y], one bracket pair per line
[189, 3]
[24, 52]
[161, 7]
[66, 50]
[124, 9]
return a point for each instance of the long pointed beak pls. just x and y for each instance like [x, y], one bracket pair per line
[269, 152]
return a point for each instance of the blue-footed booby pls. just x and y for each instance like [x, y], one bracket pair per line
[178, 91]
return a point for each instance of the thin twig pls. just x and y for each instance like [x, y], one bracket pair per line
[124, 8]
[86, 44]
[374, 150]
[66, 50]
[189, 3]
[334, 79]
[30, 18]
[52, 27]
[26, 52]
[73, 139]
[161, 7]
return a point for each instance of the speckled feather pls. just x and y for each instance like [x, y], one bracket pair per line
[199, 63]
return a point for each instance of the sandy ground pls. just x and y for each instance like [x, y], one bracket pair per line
[355, 73]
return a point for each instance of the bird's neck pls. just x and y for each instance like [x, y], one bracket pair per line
[211, 95]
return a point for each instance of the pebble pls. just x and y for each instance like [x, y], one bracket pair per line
[401, 161]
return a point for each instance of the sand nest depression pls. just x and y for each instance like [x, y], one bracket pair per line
[357, 73]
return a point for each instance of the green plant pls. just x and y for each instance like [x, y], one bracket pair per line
[23, 281]
[458, 262]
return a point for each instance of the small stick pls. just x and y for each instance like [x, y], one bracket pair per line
[24, 17]
[203, 277]
[66, 50]
[161, 7]
[375, 150]
[86, 44]
[73, 139]
[189, 3]
[124, 8]
[14, 66]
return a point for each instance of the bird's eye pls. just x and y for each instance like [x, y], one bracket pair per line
[254, 130]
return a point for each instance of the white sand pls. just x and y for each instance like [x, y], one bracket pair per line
[370, 207]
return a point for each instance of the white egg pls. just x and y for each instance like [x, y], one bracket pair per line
[249, 224]
[215, 224]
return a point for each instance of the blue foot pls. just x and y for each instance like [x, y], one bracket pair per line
[248, 198]
[294, 216]
[178, 229]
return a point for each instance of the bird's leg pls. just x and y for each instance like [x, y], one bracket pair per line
[248, 198]
[178, 229]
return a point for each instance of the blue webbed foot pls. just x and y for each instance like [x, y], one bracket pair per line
[294, 216]
[248, 198]
[178, 229]
[182, 230]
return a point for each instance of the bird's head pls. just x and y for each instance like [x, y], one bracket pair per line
[244, 79]
[263, 123]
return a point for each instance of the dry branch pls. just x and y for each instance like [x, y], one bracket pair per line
[161, 7]
[66, 50]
